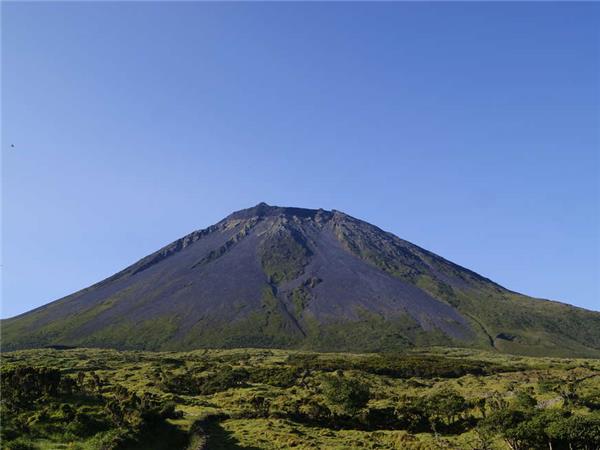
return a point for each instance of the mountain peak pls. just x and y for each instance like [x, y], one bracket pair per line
[263, 209]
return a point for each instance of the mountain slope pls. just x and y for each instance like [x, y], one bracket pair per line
[290, 277]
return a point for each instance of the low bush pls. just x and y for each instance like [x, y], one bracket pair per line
[348, 394]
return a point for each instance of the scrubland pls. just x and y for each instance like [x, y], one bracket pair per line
[276, 399]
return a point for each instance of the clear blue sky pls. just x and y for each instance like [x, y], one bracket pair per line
[470, 129]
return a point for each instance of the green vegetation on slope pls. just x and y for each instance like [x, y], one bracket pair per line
[533, 327]
[283, 254]
[275, 399]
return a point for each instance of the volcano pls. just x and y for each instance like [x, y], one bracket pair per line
[311, 279]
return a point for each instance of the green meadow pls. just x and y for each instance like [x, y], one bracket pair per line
[277, 399]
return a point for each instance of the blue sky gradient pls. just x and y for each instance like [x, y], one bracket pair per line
[470, 129]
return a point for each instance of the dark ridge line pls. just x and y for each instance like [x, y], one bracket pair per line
[492, 341]
[283, 306]
[228, 245]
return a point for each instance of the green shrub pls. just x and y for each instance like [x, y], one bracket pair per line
[18, 444]
[222, 380]
[114, 439]
[274, 376]
[347, 393]
[556, 429]
[445, 407]
[412, 415]
[187, 384]
[525, 401]
[23, 386]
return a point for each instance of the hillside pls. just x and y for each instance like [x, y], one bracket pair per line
[299, 278]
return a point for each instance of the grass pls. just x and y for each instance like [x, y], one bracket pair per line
[273, 406]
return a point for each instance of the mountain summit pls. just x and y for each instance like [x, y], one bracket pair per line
[271, 276]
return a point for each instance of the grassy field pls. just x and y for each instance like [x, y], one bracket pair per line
[274, 399]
